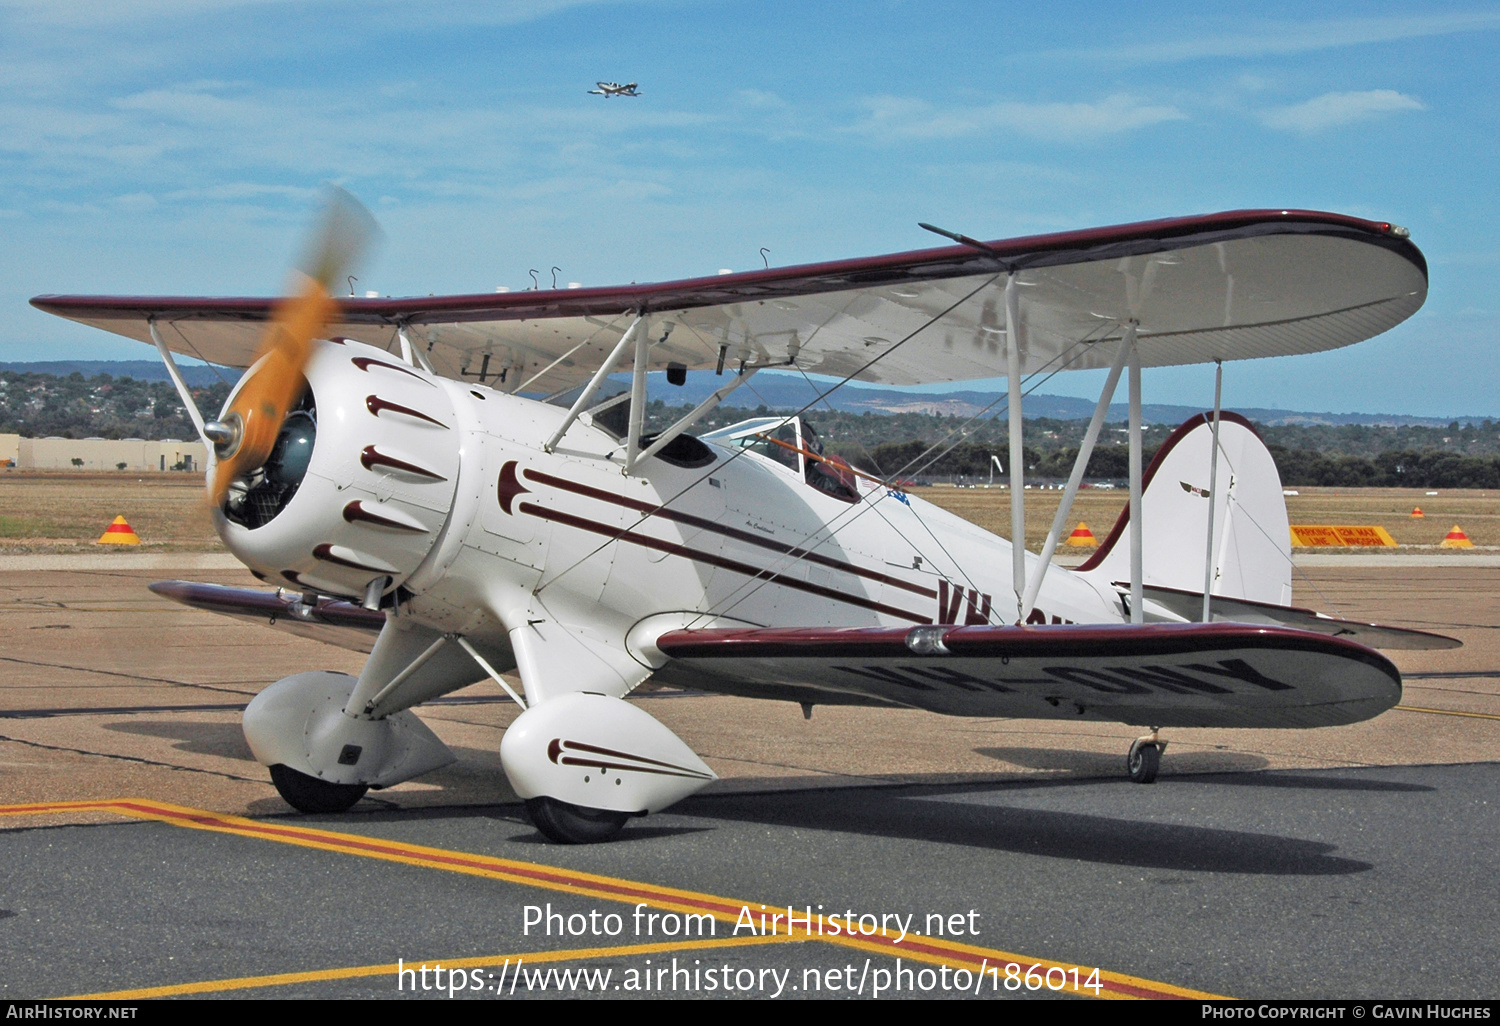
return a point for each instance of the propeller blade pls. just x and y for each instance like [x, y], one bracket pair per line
[244, 436]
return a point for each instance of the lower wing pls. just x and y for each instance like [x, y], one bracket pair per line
[1159, 675]
[330, 620]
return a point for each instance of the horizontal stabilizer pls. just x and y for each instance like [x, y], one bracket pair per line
[1159, 675]
[1189, 606]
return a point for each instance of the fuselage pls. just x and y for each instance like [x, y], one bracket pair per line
[447, 491]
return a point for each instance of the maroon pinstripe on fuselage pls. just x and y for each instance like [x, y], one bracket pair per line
[712, 559]
[688, 519]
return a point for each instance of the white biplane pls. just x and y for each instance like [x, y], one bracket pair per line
[381, 463]
[608, 89]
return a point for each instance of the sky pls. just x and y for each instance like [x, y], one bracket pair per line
[181, 146]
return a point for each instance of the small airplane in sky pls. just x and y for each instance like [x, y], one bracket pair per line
[449, 484]
[608, 89]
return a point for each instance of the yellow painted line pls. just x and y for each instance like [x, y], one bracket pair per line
[933, 950]
[1448, 712]
[390, 969]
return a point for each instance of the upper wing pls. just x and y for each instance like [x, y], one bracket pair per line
[1223, 286]
[1160, 675]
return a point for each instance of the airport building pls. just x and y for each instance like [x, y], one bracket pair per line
[128, 454]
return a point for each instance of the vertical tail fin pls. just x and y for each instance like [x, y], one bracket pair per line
[1252, 540]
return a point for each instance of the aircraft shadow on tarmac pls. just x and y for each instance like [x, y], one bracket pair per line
[477, 781]
[1074, 763]
[1230, 768]
[880, 812]
[1305, 782]
[946, 818]
[513, 817]
[225, 740]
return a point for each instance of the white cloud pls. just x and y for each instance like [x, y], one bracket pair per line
[135, 202]
[1280, 38]
[1333, 109]
[388, 14]
[895, 117]
[1008, 171]
[759, 98]
[247, 190]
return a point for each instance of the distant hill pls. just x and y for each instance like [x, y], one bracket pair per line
[198, 374]
[783, 391]
[793, 392]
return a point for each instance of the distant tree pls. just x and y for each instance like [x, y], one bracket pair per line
[121, 466]
[76, 461]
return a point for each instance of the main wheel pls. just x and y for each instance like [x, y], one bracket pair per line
[1143, 762]
[574, 824]
[309, 794]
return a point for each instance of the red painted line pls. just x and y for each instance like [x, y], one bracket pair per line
[725, 909]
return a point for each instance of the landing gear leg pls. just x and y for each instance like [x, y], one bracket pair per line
[1144, 759]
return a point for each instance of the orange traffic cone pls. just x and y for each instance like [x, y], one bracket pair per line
[119, 533]
[1082, 535]
[1417, 514]
[1456, 539]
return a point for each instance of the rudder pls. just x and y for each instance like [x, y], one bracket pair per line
[1252, 537]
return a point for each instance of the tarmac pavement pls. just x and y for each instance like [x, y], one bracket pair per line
[1352, 861]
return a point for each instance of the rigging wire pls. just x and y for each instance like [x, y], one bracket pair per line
[934, 319]
[833, 527]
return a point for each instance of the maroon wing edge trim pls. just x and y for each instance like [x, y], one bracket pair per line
[918, 265]
[217, 598]
[1055, 640]
[1161, 454]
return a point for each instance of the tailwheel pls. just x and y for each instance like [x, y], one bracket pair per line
[574, 824]
[309, 794]
[1144, 759]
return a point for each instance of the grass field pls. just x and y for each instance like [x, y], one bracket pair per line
[1477, 512]
[67, 511]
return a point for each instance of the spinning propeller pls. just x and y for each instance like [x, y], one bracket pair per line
[247, 431]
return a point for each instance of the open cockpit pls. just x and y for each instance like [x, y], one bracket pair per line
[793, 443]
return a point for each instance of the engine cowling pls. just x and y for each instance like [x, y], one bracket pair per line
[360, 482]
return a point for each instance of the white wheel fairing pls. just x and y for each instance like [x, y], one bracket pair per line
[299, 722]
[599, 752]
